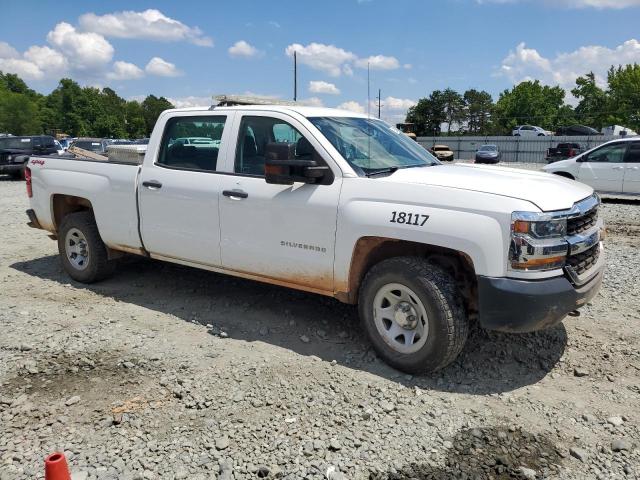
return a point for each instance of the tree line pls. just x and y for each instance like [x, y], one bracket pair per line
[475, 113]
[74, 110]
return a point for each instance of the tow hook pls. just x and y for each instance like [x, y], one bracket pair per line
[575, 313]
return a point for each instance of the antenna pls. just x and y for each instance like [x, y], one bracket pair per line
[379, 101]
[295, 76]
[368, 90]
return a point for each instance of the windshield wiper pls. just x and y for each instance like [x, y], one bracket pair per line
[381, 171]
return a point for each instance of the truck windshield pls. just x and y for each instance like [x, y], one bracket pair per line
[16, 143]
[371, 145]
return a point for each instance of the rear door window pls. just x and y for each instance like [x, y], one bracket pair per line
[633, 153]
[192, 143]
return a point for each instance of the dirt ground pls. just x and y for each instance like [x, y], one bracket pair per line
[164, 371]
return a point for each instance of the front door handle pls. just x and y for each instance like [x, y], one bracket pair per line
[618, 168]
[632, 168]
[235, 193]
[152, 184]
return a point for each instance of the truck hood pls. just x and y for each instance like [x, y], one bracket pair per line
[548, 192]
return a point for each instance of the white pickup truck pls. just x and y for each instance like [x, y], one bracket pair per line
[338, 204]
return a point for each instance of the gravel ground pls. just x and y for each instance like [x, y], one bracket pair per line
[168, 372]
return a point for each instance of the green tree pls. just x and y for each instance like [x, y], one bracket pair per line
[478, 108]
[454, 108]
[624, 96]
[592, 106]
[428, 114]
[531, 103]
[18, 114]
[152, 107]
[134, 119]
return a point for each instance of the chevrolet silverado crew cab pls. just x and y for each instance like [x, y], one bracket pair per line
[337, 204]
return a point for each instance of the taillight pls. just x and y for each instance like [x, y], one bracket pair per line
[27, 178]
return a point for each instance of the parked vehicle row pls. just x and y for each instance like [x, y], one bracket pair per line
[338, 204]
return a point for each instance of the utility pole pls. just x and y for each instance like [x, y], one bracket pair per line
[379, 101]
[295, 76]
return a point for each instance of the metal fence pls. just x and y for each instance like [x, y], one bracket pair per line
[514, 149]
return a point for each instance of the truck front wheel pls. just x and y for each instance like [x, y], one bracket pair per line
[83, 254]
[413, 314]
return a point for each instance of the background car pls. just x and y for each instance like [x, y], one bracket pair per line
[576, 130]
[488, 154]
[562, 151]
[96, 145]
[15, 151]
[529, 131]
[611, 168]
[442, 152]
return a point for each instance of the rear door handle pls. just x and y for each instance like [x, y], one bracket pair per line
[152, 184]
[618, 168]
[632, 168]
[235, 193]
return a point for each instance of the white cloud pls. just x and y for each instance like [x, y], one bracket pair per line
[352, 106]
[526, 63]
[7, 51]
[162, 68]
[23, 68]
[323, 87]
[125, 71]
[34, 64]
[151, 24]
[46, 59]
[599, 4]
[84, 51]
[313, 102]
[243, 49]
[335, 61]
[327, 58]
[393, 103]
[191, 101]
[378, 62]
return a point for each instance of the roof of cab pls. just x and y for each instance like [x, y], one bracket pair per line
[305, 111]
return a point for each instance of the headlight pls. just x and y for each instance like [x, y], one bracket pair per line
[9, 157]
[537, 241]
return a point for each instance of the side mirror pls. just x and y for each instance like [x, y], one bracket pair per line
[284, 166]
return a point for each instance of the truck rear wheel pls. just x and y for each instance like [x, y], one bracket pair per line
[82, 251]
[413, 314]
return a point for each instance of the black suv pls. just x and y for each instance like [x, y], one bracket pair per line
[15, 151]
[576, 130]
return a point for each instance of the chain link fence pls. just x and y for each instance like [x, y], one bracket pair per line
[513, 149]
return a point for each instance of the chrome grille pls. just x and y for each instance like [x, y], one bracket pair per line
[582, 262]
[582, 223]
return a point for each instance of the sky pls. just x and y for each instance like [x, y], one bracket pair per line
[189, 51]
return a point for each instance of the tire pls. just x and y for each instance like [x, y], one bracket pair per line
[80, 232]
[437, 297]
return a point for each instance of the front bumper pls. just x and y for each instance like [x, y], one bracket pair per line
[11, 167]
[519, 306]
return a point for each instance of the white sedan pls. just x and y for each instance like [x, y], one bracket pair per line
[611, 168]
[529, 131]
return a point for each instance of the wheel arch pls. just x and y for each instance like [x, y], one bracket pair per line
[369, 251]
[63, 204]
[565, 175]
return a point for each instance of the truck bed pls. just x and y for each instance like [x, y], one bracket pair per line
[109, 185]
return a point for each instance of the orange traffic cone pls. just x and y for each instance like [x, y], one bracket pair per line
[55, 467]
